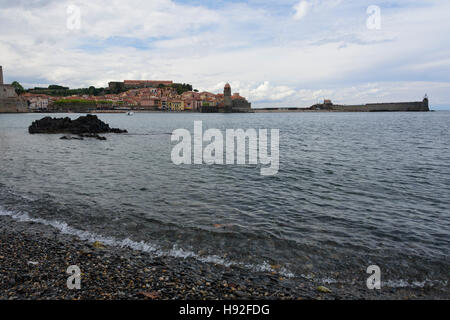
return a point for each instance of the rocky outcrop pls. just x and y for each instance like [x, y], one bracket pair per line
[82, 136]
[88, 124]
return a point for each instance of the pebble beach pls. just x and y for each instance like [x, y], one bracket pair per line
[34, 259]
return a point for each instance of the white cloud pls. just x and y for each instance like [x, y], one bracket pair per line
[301, 9]
[257, 92]
[266, 92]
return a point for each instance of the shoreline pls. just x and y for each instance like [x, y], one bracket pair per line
[192, 112]
[300, 110]
[34, 259]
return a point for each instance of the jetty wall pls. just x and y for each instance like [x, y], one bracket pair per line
[384, 107]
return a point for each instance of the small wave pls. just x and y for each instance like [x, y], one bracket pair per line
[20, 195]
[413, 284]
[401, 283]
[149, 134]
[143, 246]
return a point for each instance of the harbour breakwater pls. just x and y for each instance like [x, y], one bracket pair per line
[376, 107]
[328, 106]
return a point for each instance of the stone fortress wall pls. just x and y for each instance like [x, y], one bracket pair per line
[242, 106]
[9, 101]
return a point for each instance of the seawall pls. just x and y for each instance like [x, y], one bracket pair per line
[421, 106]
[9, 101]
[12, 106]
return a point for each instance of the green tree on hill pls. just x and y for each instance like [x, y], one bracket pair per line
[57, 87]
[18, 87]
[182, 87]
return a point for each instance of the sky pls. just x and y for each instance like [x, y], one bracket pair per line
[276, 53]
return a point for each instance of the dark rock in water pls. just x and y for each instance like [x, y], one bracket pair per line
[81, 136]
[92, 135]
[86, 124]
[71, 138]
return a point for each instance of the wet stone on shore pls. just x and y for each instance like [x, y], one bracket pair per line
[34, 260]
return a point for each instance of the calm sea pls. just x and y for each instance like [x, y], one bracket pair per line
[353, 189]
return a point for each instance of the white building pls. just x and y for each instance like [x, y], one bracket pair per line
[38, 103]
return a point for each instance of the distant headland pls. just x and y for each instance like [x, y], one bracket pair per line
[158, 95]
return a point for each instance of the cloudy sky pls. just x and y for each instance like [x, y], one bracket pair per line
[276, 53]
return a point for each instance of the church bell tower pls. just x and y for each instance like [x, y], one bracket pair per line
[227, 98]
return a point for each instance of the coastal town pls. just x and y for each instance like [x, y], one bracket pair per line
[161, 96]
[129, 95]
